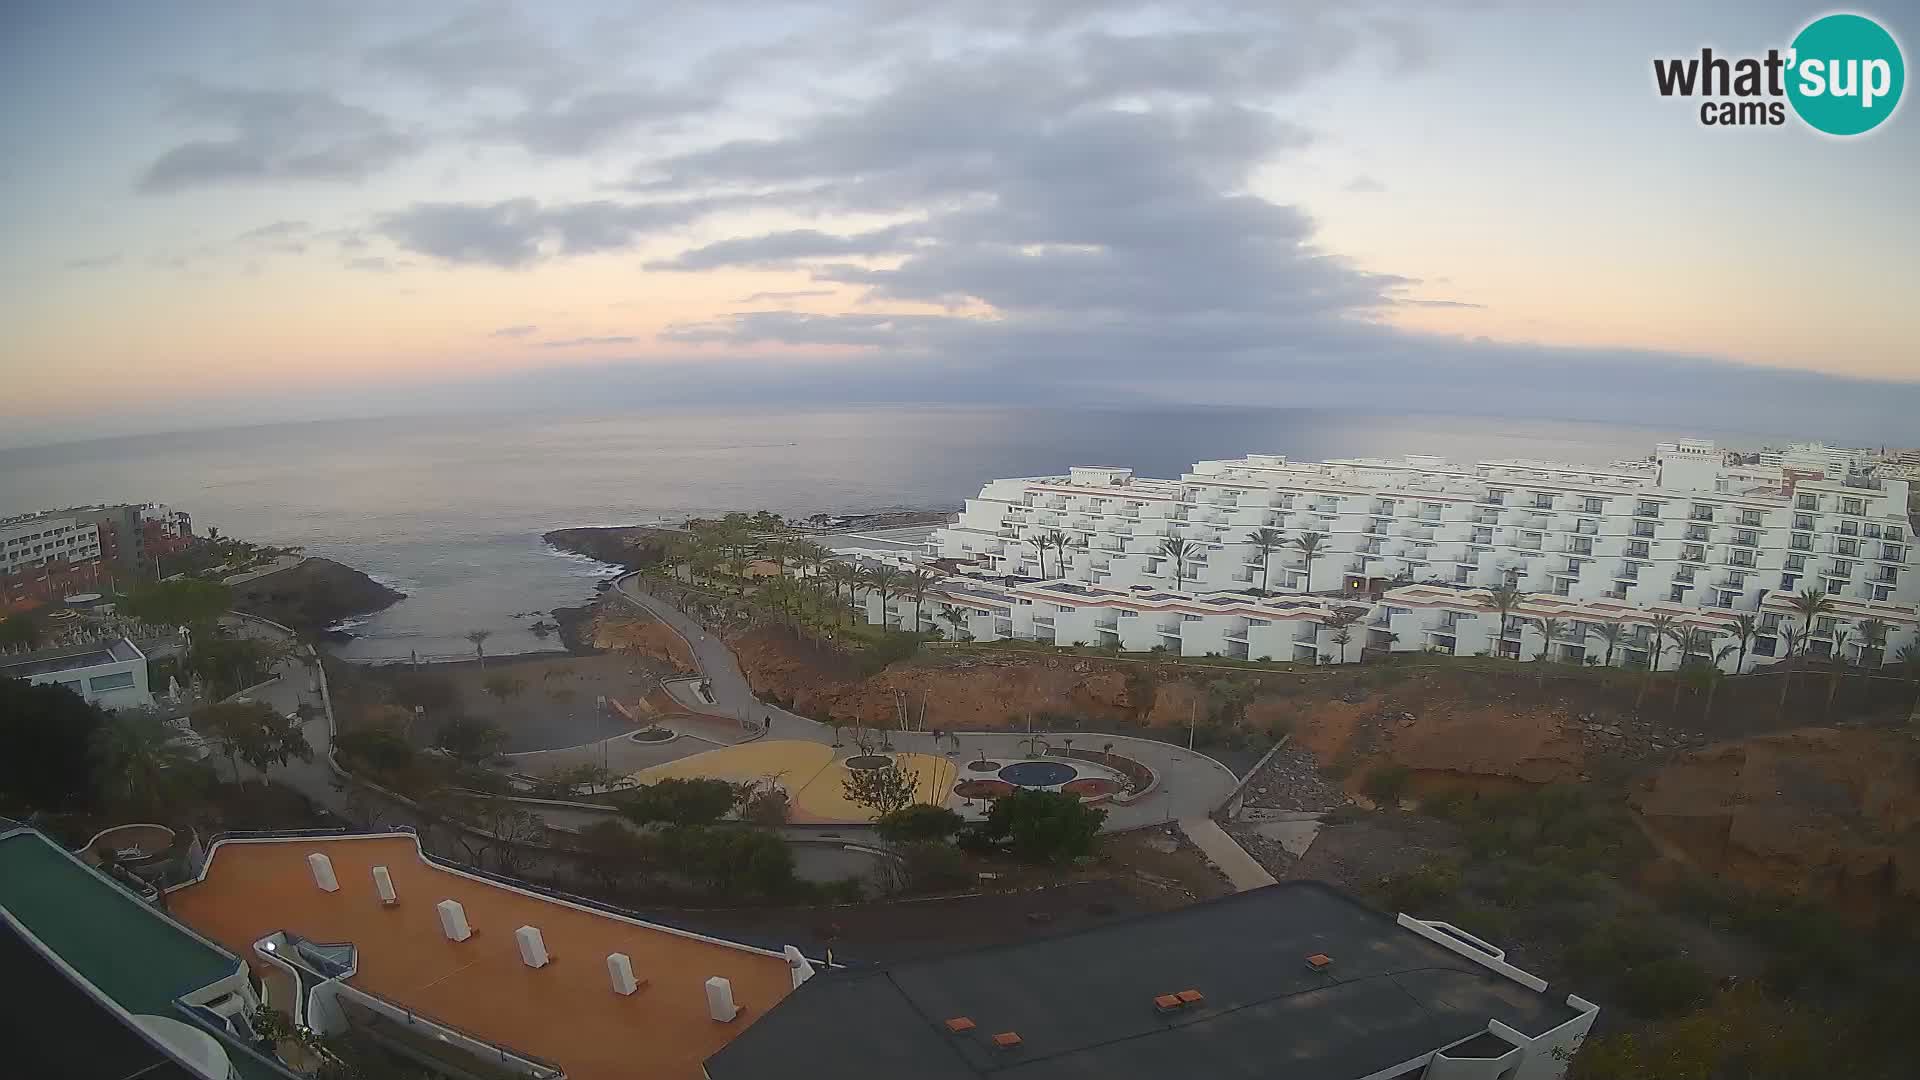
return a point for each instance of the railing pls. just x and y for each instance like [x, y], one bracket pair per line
[472, 1042]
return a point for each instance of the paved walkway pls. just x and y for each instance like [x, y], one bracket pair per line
[1232, 859]
[1191, 783]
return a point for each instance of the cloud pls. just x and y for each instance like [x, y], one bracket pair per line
[519, 232]
[782, 295]
[1410, 302]
[488, 48]
[91, 262]
[1365, 185]
[780, 249]
[371, 264]
[273, 135]
[278, 230]
[591, 122]
[519, 331]
[579, 342]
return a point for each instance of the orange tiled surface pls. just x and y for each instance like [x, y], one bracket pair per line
[565, 1012]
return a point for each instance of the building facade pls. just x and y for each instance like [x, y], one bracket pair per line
[111, 674]
[1409, 549]
[33, 541]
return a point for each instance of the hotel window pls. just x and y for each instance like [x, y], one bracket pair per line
[1750, 518]
[1678, 594]
[1647, 509]
[1849, 528]
[1542, 502]
[1847, 547]
[1881, 592]
[1787, 582]
[1803, 521]
[1796, 563]
[1190, 618]
[1696, 532]
[1801, 542]
[1694, 553]
[1853, 506]
[119, 680]
[1873, 532]
[1770, 621]
[1460, 574]
[1643, 528]
[1637, 549]
[1842, 568]
[1582, 545]
[1702, 512]
[1683, 573]
[1595, 506]
[1893, 552]
[1129, 614]
[1745, 537]
[1894, 533]
[1807, 502]
[1740, 558]
[1824, 625]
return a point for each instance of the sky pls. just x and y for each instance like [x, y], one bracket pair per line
[227, 212]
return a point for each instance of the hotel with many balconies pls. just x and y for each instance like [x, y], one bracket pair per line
[1416, 544]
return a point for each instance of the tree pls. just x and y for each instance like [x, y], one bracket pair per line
[469, 741]
[1041, 826]
[1908, 659]
[479, 639]
[1812, 605]
[1791, 636]
[883, 579]
[181, 602]
[141, 758]
[681, 801]
[1503, 599]
[768, 807]
[612, 853]
[1060, 541]
[1713, 680]
[1179, 552]
[920, 822]
[251, 731]
[1613, 633]
[956, 617]
[917, 582]
[1341, 638]
[1660, 628]
[19, 629]
[46, 747]
[1873, 645]
[882, 790]
[378, 748]
[1838, 664]
[728, 861]
[1745, 626]
[1309, 545]
[1266, 540]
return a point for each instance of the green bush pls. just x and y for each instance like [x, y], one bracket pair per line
[1425, 888]
[919, 822]
[1040, 826]
[930, 865]
[727, 860]
[679, 801]
[1386, 784]
[1665, 987]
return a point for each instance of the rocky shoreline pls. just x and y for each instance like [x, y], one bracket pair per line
[635, 546]
[313, 594]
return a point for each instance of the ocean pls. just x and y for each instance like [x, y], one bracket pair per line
[450, 509]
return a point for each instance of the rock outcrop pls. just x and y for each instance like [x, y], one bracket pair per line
[313, 595]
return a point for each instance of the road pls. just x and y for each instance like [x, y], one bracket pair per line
[1191, 784]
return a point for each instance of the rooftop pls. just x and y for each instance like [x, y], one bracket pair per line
[75, 1035]
[565, 1012]
[1083, 1004]
[69, 658]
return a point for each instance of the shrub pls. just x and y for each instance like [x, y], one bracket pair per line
[1424, 888]
[678, 801]
[914, 823]
[1665, 987]
[929, 865]
[769, 806]
[1386, 784]
[1042, 826]
[728, 860]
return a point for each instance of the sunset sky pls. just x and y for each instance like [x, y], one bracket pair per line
[220, 212]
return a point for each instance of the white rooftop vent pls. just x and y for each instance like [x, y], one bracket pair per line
[620, 971]
[453, 920]
[800, 966]
[533, 947]
[383, 884]
[322, 868]
[720, 1004]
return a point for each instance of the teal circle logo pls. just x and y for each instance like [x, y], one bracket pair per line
[1845, 74]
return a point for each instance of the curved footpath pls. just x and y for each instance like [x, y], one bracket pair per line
[1191, 784]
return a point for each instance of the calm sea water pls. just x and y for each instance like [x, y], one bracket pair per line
[449, 510]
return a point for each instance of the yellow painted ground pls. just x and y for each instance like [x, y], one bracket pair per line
[809, 773]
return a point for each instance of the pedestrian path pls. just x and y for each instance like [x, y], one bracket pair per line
[1221, 850]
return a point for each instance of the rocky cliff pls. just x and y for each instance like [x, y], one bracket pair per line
[313, 595]
[631, 546]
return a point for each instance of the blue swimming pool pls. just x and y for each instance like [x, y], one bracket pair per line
[1038, 774]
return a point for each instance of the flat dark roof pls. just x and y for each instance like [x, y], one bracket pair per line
[1083, 1003]
[52, 1027]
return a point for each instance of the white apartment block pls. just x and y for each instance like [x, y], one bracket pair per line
[110, 673]
[1685, 535]
[34, 540]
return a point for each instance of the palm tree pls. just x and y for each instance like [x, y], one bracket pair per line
[1503, 599]
[1660, 627]
[1811, 604]
[1040, 542]
[1839, 664]
[1745, 626]
[1178, 551]
[916, 584]
[1873, 642]
[1549, 629]
[1309, 545]
[141, 758]
[956, 618]
[1909, 660]
[1693, 641]
[883, 579]
[479, 639]
[1266, 540]
[1341, 637]
[1713, 677]
[1613, 633]
[1060, 541]
[1790, 635]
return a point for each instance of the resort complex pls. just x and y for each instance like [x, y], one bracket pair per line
[1261, 557]
[464, 975]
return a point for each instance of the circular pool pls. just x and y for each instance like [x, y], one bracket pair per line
[1038, 774]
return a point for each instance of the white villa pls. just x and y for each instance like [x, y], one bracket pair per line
[1416, 544]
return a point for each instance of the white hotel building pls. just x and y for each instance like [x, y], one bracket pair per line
[1685, 534]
